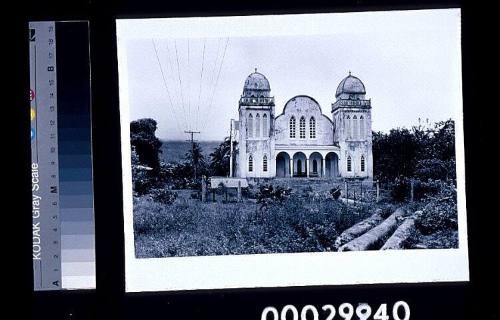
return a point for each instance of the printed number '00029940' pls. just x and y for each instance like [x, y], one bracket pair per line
[346, 311]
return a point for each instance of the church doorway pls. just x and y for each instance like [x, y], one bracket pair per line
[332, 165]
[282, 165]
[315, 165]
[299, 165]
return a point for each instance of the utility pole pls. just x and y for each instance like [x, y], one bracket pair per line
[192, 151]
[231, 149]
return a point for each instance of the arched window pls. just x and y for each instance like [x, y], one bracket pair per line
[361, 127]
[250, 126]
[257, 126]
[302, 128]
[355, 127]
[264, 163]
[292, 127]
[250, 164]
[312, 128]
[265, 128]
[362, 163]
[349, 164]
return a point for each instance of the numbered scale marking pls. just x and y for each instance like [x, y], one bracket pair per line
[44, 155]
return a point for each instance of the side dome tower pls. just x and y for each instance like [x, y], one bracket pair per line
[256, 85]
[255, 127]
[350, 88]
[351, 114]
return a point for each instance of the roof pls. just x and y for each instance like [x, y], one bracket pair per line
[350, 84]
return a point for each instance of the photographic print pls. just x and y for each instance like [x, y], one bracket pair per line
[324, 143]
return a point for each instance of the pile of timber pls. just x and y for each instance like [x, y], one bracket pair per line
[358, 229]
[401, 235]
[372, 238]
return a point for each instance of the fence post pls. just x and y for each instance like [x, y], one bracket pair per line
[346, 190]
[378, 191]
[213, 195]
[239, 190]
[203, 189]
[411, 190]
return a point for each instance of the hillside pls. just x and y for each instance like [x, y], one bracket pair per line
[174, 151]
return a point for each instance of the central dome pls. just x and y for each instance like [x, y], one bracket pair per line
[350, 85]
[256, 81]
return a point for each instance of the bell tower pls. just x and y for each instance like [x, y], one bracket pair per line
[351, 114]
[256, 118]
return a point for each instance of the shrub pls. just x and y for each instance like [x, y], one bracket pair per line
[335, 193]
[400, 189]
[163, 196]
[423, 189]
[431, 169]
[269, 194]
[440, 211]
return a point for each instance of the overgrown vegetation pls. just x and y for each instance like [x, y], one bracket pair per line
[188, 228]
[423, 153]
[171, 220]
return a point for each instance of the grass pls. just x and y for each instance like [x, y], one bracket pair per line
[189, 227]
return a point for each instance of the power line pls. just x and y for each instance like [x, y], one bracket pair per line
[218, 75]
[180, 81]
[188, 84]
[174, 80]
[201, 81]
[165, 83]
[211, 81]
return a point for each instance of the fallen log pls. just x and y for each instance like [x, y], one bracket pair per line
[373, 237]
[400, 236]
[358, 229]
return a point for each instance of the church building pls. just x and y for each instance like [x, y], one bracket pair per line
[302, 141]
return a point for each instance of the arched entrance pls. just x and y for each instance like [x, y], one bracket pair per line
[332, 165]
[299, 165]
[315, 165]
[282, 165]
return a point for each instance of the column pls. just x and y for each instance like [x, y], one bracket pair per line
[323, 167]
[307, 167]
[291, 167]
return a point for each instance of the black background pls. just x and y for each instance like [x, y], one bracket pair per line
[472, 300]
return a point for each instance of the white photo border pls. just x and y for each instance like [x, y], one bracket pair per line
[279, 270]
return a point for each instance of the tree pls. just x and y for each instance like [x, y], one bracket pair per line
[146, 144]
[220, 158]
[420, 152]
[394, 154]
[195, 161]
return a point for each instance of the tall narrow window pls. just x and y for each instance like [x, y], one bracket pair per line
[264, 163]
[250, 164]
[347, 127]
[362, 127]
[355, 127]
[349, 164]
[292, 127]
[257, 126]
[312, 128]
[362, 163]
[302, 128]
[250, 126]
[265, 127]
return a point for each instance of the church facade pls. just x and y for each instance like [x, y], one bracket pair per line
[302, 141]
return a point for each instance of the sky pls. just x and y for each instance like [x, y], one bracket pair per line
[188, 74]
